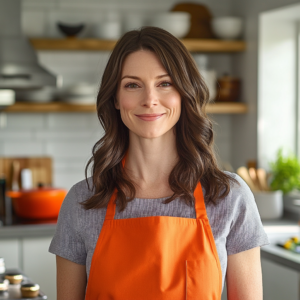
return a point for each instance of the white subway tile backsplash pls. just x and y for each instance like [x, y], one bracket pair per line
[71, 121]
[17, 134]
[34, 4]
[82, 148]
[69, 164]
[62, 135]
[23, 148]
[25, 121]
[67, 179]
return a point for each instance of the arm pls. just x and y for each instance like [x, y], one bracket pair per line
[244, 276]
[71, 280]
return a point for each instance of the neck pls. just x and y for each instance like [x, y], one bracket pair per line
[150, 161]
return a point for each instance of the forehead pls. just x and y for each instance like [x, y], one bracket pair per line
[142, 61]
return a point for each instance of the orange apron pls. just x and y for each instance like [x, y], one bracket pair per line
[156, 258]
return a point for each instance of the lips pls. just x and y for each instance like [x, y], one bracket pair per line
[150, 117]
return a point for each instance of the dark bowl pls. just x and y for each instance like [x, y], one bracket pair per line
[70, 30]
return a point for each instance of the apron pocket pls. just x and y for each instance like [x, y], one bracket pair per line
[202, 280]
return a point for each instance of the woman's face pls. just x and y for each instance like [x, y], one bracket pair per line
[149, 104]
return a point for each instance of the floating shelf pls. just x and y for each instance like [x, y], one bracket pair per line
[21, 107]
[193, 45]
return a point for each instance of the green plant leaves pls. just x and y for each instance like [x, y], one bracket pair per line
[285, 173]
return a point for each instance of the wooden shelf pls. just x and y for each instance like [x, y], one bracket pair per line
[193, 45]
[21, 107]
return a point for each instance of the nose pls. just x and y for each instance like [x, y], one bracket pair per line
[150, 97]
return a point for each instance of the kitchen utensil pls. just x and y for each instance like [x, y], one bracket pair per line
[13, 278]
[26, 179]
[70, 30]
[244, 174]
[15, 175]
[29, 163]
[262, 178]
[227, 27]
[30, 290]
[229, 88]
[2, 196]
[200, 20]
[40, 203]
[253, 175]
[177, 23]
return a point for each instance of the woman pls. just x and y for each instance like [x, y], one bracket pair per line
[157, 219]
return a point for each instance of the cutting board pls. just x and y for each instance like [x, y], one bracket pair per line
[41, 168]
[200, 20]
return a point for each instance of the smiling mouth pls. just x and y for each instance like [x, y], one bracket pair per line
[149, 117]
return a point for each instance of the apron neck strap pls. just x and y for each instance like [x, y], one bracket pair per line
[198, 195]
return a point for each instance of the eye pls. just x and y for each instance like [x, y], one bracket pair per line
[131, 85]
[166, 84]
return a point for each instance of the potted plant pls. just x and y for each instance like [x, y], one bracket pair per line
[285, 173]
[285, 176]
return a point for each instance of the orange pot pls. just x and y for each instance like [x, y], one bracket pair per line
[40, 203]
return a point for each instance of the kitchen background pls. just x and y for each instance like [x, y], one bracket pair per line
[269, 77]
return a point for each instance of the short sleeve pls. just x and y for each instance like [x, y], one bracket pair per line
[67, 241]
[246, 229]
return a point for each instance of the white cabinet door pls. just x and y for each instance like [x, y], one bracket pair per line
[279, 282]
[10, 251]
[40, 265]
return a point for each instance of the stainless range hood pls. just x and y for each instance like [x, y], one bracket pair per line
[19, 68]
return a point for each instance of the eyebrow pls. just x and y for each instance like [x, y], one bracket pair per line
[138, 78]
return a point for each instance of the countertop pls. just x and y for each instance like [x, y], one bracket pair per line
[277, 230]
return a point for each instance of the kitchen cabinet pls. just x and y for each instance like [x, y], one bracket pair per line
[279, 282]
[39, 264]
[31, 255]
[10, 250]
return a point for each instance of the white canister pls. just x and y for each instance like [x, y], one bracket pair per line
[108, 30]
[2, 265]
[269, 204]
[210, 78]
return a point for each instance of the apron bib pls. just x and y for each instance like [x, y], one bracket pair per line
[155, 258]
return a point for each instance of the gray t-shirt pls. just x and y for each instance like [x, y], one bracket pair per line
[235, 222]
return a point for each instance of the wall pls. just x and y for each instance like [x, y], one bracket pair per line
[244, 128]
[69, 137]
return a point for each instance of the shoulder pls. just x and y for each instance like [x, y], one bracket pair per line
[83, 189]
[241, 197]
[77, 193]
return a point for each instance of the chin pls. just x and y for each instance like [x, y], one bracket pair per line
[147, 134]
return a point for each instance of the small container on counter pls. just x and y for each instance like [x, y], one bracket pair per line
[30, 290]
[4, 285]
[2, 265]
[14, 278]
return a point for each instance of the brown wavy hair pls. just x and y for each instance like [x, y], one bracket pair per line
[194, 133]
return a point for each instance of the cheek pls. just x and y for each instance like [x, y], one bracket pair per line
[174, 102]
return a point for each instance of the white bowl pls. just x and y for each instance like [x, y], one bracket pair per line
[177, 23]
[132, 21]
[227, 27]
[108, 30]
